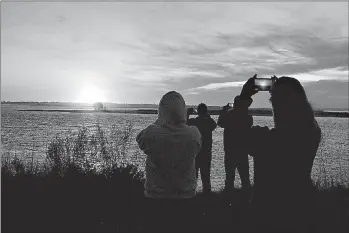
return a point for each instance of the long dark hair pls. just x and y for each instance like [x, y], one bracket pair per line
[290, 104]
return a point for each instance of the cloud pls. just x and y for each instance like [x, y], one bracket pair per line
[161, 73]
[149, 48]
[338, 73]
[328, 94]
[217, 86]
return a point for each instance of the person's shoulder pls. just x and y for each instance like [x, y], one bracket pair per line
[209, 119]
[205, 117]
[147, 132]
[192, 129]
[191, 132]
[152, 128]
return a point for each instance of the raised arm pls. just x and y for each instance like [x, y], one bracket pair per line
[259, 139]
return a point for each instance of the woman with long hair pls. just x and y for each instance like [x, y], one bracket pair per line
[283, 157]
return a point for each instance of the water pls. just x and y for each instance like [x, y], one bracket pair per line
[27, 134]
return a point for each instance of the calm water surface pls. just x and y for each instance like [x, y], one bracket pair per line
[27, 133]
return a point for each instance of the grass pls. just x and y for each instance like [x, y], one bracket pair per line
[82, 187]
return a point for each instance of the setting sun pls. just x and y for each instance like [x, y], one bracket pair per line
[91, 94]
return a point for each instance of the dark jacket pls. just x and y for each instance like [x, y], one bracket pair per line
[205, 125]
[283, 160]
[236, 125]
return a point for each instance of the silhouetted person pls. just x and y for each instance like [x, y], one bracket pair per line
[236, 123]
[283, 157]
[171, 147]
[206, 125]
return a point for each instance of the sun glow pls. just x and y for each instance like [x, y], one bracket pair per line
[91, 94]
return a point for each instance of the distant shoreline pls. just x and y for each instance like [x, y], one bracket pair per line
[253, 112]
[118, 106]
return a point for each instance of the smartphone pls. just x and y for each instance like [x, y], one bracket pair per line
[263, 84]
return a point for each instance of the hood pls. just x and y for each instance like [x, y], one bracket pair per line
[172, 110]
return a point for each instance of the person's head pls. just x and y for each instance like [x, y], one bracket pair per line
[290, 103]
[202, 109]
[172, 108]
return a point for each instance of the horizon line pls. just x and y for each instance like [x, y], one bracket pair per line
[80, 103]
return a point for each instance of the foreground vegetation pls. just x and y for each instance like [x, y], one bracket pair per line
[80, 186]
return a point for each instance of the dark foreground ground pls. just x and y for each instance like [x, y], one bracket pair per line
[66, 193]
[83, 203]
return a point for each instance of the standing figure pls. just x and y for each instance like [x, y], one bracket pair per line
[236, 123]
[284, 196]
[171, 147]
[205, 125]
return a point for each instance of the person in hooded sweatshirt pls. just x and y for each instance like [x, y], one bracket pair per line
[171, 147]
[206, 125]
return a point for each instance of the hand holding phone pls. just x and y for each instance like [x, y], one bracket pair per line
[254, 85]
[248, 89]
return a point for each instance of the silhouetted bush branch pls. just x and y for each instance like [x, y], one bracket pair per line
[76, 187]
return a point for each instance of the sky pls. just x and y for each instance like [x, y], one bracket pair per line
[135, 52]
